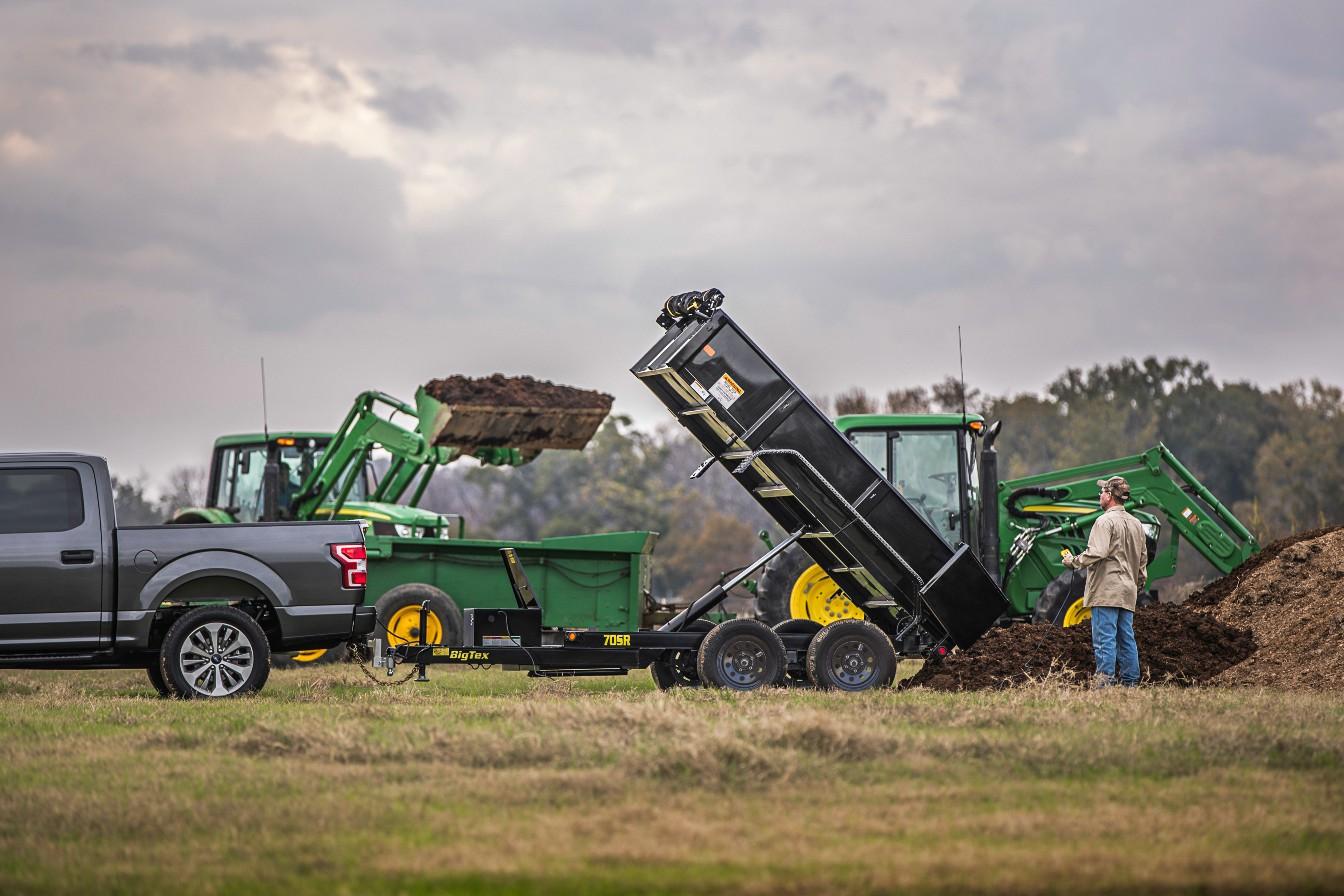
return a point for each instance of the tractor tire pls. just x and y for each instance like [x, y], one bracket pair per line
[741, 655]
[794, 587]
[399, 616]
[851, 655]
[795, 671]
[676, 668]
[214, 652]
[155, 672]
[1057, 597]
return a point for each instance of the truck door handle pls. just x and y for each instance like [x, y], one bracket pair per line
[77, 556]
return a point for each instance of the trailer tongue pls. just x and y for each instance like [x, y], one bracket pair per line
[920, 595]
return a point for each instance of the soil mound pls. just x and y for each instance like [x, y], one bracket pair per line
[1293, 602]
[498, 390]
[1218, 589]
[1176, 645]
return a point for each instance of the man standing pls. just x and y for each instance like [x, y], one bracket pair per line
[1116, 561]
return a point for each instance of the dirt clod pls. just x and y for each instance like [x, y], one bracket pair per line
[498, 390]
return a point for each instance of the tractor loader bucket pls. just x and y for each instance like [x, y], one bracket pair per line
[508, 412]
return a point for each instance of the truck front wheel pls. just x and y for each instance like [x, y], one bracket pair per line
[214, 652]
[399, 616]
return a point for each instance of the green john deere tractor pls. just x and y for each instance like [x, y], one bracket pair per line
[585, 581]
[946, 464]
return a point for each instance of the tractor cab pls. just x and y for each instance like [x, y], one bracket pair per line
[932, 459]
[237, 488]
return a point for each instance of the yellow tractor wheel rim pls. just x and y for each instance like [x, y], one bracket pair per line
[404, 627]
[1076, 613]
[309, 656]
[816, 596]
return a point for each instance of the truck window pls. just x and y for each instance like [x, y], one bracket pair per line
[40, 500]
[925, 472]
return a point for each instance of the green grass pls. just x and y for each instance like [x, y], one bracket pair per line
[489, 782]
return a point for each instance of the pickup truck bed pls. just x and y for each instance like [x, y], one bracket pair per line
[78, 592]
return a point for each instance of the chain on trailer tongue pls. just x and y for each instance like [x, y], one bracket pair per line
[925, 595]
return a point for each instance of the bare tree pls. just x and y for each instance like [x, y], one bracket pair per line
[855, 401]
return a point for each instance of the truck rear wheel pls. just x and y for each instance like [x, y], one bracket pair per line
[851, 655]
[676, 668]
[399, 616]
[741, 655]
[214, 652]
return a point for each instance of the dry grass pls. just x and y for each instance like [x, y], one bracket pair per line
[490, 782]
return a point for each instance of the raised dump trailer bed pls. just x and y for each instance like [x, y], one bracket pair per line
[921, 596]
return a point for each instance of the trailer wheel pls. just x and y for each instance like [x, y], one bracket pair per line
[214, 652]
[851, 655]
[741, 655]
[156, 678]
[676, 668]
[795, 671]
[399, 615]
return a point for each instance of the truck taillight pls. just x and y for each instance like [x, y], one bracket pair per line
[354, 564]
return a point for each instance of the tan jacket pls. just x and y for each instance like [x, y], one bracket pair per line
[1118, 557]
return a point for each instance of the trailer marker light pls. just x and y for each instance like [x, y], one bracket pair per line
[571, 636]
[353, 559]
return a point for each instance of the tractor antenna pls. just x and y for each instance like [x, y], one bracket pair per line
[961, 364]
[265, 417]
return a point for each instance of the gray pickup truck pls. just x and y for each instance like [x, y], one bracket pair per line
[200, 608]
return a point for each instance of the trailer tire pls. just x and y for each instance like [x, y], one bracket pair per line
[399, 615]
[677, 668]
[795, 673]
[741, 655]
[851, 655]
[214, 652]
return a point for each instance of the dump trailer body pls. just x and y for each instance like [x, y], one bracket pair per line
[777, 444]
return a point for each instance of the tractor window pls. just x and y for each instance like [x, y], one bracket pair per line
[926, 474]
[248, 470]
[873, 445]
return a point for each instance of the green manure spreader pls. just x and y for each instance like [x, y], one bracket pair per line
[417, 555]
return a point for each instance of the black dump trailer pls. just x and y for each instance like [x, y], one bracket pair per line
[920, 595]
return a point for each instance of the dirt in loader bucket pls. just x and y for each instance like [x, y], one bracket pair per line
[1276, 621]
[520, 412]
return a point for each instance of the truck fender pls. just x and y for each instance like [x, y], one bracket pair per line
[134, 625]
[221, 564]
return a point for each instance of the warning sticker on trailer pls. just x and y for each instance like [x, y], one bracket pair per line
[700, 390]
[726, 390]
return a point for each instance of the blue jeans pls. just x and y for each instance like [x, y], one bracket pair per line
[1112, 634]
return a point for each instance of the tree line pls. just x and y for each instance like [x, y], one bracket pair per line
[1275, 456]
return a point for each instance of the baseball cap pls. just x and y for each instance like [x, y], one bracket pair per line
[1116, 485]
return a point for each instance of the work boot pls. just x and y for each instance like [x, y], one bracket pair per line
[1101, 682]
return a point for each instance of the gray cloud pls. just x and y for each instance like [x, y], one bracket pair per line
[210, 53]
[424, 108]
[846, 95]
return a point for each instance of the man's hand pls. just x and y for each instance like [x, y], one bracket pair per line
[1068, 557]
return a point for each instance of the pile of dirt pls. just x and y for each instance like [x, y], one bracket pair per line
[1291, 596]
[1176, 645]
[498, 390]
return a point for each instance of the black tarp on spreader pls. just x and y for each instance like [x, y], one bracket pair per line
[779, 446]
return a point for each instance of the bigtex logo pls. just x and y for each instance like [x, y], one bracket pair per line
[457, 653]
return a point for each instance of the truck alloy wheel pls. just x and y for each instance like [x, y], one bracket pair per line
[215, 652]
[741, 655]
[851, 655]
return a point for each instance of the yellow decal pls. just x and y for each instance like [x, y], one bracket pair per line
[457, 653]
[615, 640]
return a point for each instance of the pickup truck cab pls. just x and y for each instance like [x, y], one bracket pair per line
[200, 608]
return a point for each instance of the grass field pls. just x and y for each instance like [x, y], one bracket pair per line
[488, 782]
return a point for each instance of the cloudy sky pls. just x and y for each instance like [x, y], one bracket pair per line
[371, 195]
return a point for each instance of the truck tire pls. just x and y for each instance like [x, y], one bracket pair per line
[677, 668]
[795, 672]
[155, 672]
[794, 587]
[214, 652]
[741, 655]
[851, 655]
[399, 616]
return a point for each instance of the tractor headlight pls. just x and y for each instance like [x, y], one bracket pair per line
[404, 531]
